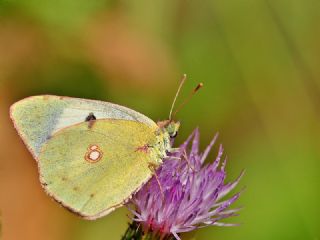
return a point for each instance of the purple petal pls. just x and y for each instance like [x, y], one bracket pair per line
[195, 143]
[230, 186]
[208, 149]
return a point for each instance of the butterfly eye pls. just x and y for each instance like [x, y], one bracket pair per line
[174, 135]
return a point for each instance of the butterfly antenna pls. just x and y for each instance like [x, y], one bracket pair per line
[183, 79]
[194, 91]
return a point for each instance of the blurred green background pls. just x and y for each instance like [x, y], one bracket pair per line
[258, 60]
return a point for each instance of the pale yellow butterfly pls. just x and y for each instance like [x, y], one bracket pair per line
[92, 155]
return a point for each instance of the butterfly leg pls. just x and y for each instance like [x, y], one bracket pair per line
[152, 168]
[173, 158]
[174, 150]
[188, 161]
[185, 156]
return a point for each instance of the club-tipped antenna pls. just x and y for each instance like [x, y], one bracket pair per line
[183, 79]
[194, 91]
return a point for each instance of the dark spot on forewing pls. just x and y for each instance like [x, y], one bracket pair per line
[90, 119]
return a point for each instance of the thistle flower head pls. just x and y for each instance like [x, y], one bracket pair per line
[189, 194]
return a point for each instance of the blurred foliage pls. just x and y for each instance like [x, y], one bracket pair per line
[258, 60]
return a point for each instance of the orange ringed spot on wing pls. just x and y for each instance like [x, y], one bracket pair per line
[93, 154]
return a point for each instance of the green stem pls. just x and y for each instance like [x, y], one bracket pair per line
[135, 232]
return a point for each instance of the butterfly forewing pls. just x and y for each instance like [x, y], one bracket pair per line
[37, 118]
[92, 170]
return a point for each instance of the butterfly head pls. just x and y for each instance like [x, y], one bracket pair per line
[173, 128]
[170, 126]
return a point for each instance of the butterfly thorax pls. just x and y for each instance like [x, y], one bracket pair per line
[161, 147]
[167, 130]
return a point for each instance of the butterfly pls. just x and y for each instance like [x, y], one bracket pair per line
[92, 155]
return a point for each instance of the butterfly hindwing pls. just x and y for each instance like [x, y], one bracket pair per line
[94, 170]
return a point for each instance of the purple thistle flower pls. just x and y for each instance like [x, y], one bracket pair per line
[191, 195]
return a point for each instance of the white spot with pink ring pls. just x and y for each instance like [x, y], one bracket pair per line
[93, 154]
